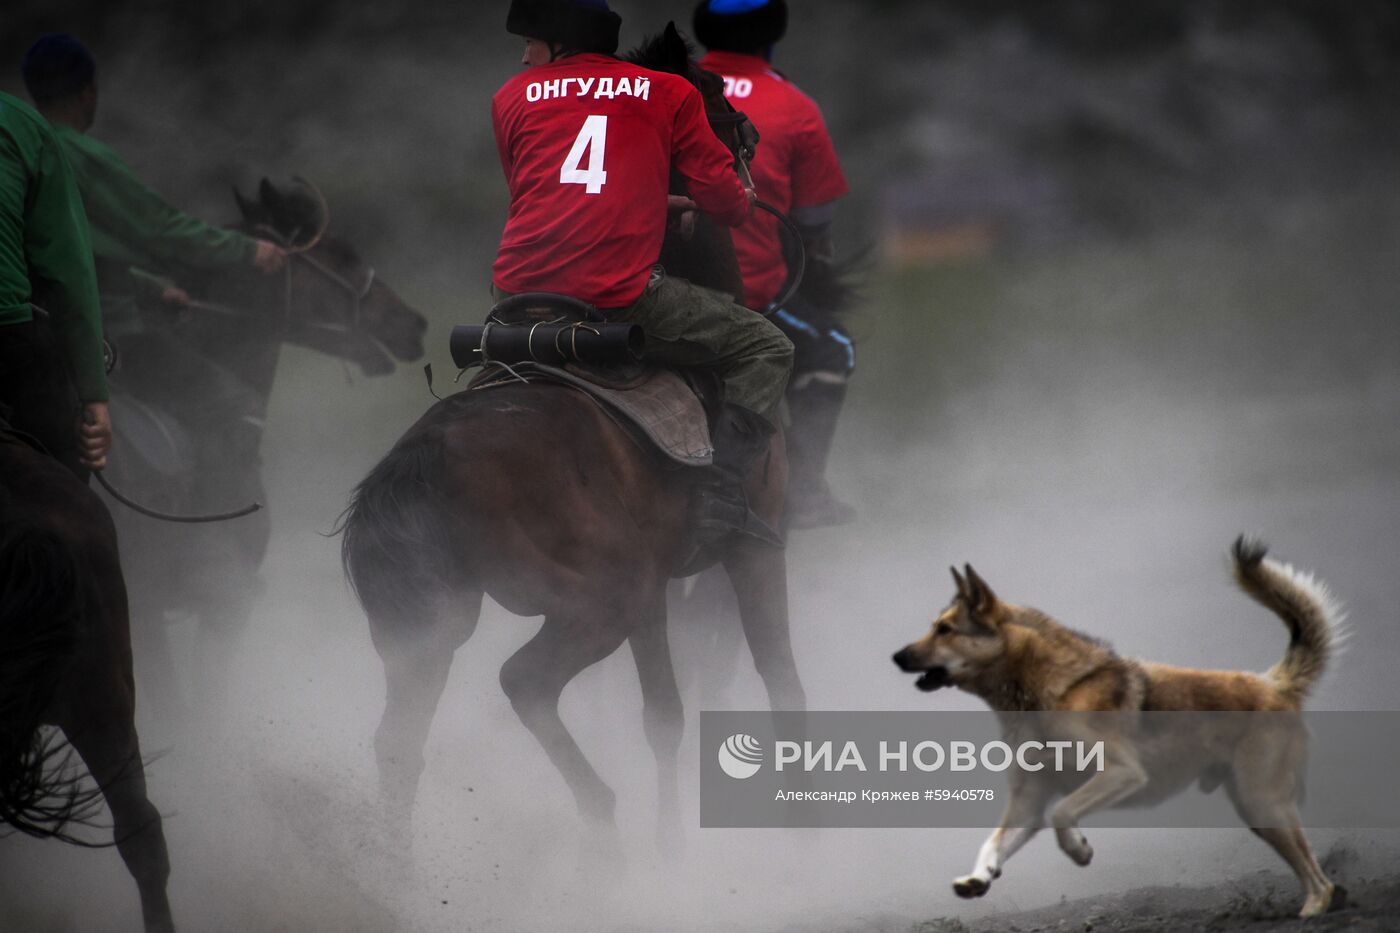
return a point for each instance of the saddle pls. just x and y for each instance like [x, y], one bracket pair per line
[663, 408]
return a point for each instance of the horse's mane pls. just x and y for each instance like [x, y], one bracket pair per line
[655, 53]
[832, 290]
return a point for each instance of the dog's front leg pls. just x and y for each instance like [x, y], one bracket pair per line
[1122, 776]
[1023, 818]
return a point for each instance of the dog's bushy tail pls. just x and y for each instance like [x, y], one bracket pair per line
[1304, 603]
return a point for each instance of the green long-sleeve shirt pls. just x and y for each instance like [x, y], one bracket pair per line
[44, 245]
[132, 226]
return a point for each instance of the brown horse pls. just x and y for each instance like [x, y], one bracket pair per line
[65, 660]
[531, 494]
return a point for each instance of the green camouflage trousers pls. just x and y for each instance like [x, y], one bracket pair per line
[689, 325]
[696, 327]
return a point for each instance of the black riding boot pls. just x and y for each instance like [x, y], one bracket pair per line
[718, 504]
[814, 409]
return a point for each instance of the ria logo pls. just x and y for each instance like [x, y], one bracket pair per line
[740, 756]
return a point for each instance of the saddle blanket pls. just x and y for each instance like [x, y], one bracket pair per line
[658, 403]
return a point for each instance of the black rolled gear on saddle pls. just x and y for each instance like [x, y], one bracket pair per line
[741, 32]
[578, 27]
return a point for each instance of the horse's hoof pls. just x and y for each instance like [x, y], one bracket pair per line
[971, 886]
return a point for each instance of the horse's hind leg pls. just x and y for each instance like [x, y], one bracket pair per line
[100, 727]
[535, 676]
[664, 721]
[417, 656]
[759, 575]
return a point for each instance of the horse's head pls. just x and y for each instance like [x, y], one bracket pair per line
[704, 252]
[669, 52]
[335, 302]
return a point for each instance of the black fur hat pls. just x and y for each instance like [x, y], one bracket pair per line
[746, 31]
[578, 25]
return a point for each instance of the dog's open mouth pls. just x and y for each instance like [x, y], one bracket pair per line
[933, 679]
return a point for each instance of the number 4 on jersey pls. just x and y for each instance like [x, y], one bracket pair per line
[592, 139]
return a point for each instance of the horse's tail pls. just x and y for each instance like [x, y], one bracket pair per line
[835, 289]
[397, 543]
[42, 602]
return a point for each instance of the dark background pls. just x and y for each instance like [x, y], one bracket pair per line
[1132, 288]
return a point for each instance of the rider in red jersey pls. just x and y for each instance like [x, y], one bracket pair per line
[588, 143]
[795, 170]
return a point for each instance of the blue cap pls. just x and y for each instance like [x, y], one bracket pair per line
[733, 7]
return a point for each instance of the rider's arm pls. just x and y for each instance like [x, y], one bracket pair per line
[817, 180]
[123, 210]
[59, 256]
[707, 164]
[148, 287]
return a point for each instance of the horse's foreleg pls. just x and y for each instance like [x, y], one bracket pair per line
[101, 729]
[707, 621]
[417, 657]
[533, 679]
[759, 575]
[663, 719]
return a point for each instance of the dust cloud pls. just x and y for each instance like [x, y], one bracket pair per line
[1181, 326]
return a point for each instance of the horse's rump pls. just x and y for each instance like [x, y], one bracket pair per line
[491, 481]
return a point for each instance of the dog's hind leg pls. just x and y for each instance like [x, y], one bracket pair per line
[1265, 787]
[1277, 823]
[1320, 894]
[1024, 817]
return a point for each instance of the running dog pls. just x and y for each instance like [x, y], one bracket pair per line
[1020, 660]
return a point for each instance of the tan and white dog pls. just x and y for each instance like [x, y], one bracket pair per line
[1020, 660]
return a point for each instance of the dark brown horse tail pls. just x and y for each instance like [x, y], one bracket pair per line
[41, 617]
[397, 540]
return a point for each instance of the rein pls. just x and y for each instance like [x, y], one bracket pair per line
[110, 358]
[301, 253]
[175, 519]
[744, 146]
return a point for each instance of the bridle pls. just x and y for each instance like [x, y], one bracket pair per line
[744, 144]
[296, 252]
[355, 292]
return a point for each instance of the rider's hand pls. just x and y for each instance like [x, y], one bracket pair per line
[753, 199]
[95, 435]
[268, 257]
[681, 214]
[176, 297]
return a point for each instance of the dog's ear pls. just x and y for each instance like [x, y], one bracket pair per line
[961, 583]
[980, 596]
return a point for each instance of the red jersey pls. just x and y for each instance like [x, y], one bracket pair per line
[587, 144]
[795, 167]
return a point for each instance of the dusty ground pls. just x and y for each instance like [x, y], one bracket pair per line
[1260, 903]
